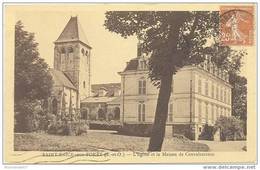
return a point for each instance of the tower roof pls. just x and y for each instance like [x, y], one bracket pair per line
[73, 32]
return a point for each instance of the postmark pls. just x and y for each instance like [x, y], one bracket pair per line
[236, 25]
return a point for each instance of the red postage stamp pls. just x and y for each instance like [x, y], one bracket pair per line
[237, 25]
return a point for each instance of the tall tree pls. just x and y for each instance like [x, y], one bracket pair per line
[32, 79]
[231, 60]
[174, 39]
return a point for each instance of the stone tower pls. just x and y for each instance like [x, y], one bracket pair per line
[72, 56]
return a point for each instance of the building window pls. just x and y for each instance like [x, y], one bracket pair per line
[217, 93]
[217, 112]
[116, 113]
[199, 114]
[84, 84]
[54, 106]
[142, 87]
[221, 94]
[143, 65]
[212, 90]
[141, 112]
[86, 54]
[212, 114]
[228, 96]
[199, 86]
[82, 51]
[62, 50]
[170, 113]
[206, 88]
[70, 50]
[225, 96]
[207, 112]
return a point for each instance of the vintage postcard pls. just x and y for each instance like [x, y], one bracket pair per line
[129, 83]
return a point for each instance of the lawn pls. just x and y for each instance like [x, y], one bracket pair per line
[97, 140]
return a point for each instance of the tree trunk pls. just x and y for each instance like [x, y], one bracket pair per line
[158, 131]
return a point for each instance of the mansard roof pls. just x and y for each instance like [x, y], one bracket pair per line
[73, 32]
[132, 65]
[60, 79]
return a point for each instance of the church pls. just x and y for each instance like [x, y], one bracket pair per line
[71, 72]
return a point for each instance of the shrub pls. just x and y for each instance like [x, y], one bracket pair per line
[101, 114]
[231, 128]
[207, 133]
[29, 116]
[70, 128]
[75, 128]
[136, 129]
[105, 125]
[92, 116]
[110, 116]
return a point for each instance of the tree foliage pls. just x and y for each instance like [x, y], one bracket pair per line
[230, 128]
[32, 79]
[231, 61]
[33, 82]
[173, 38]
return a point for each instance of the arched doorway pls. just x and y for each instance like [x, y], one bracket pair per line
[84, 114]
[54, 106]
[117, 113]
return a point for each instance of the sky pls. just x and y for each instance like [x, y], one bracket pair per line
[110, 51]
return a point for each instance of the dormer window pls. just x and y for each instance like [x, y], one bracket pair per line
[142, 65]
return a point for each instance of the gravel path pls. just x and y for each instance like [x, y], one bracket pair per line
[225, 145]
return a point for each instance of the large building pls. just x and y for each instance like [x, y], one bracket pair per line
[71, 73]
[200, 94]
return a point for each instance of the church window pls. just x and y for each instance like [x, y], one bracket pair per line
[86, 54]
[82, 51]
[62, 50]
[70, 50]
[54, 106]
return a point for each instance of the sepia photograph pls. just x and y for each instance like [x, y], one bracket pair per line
[105, 83]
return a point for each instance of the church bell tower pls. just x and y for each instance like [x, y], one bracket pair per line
[72, 56]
